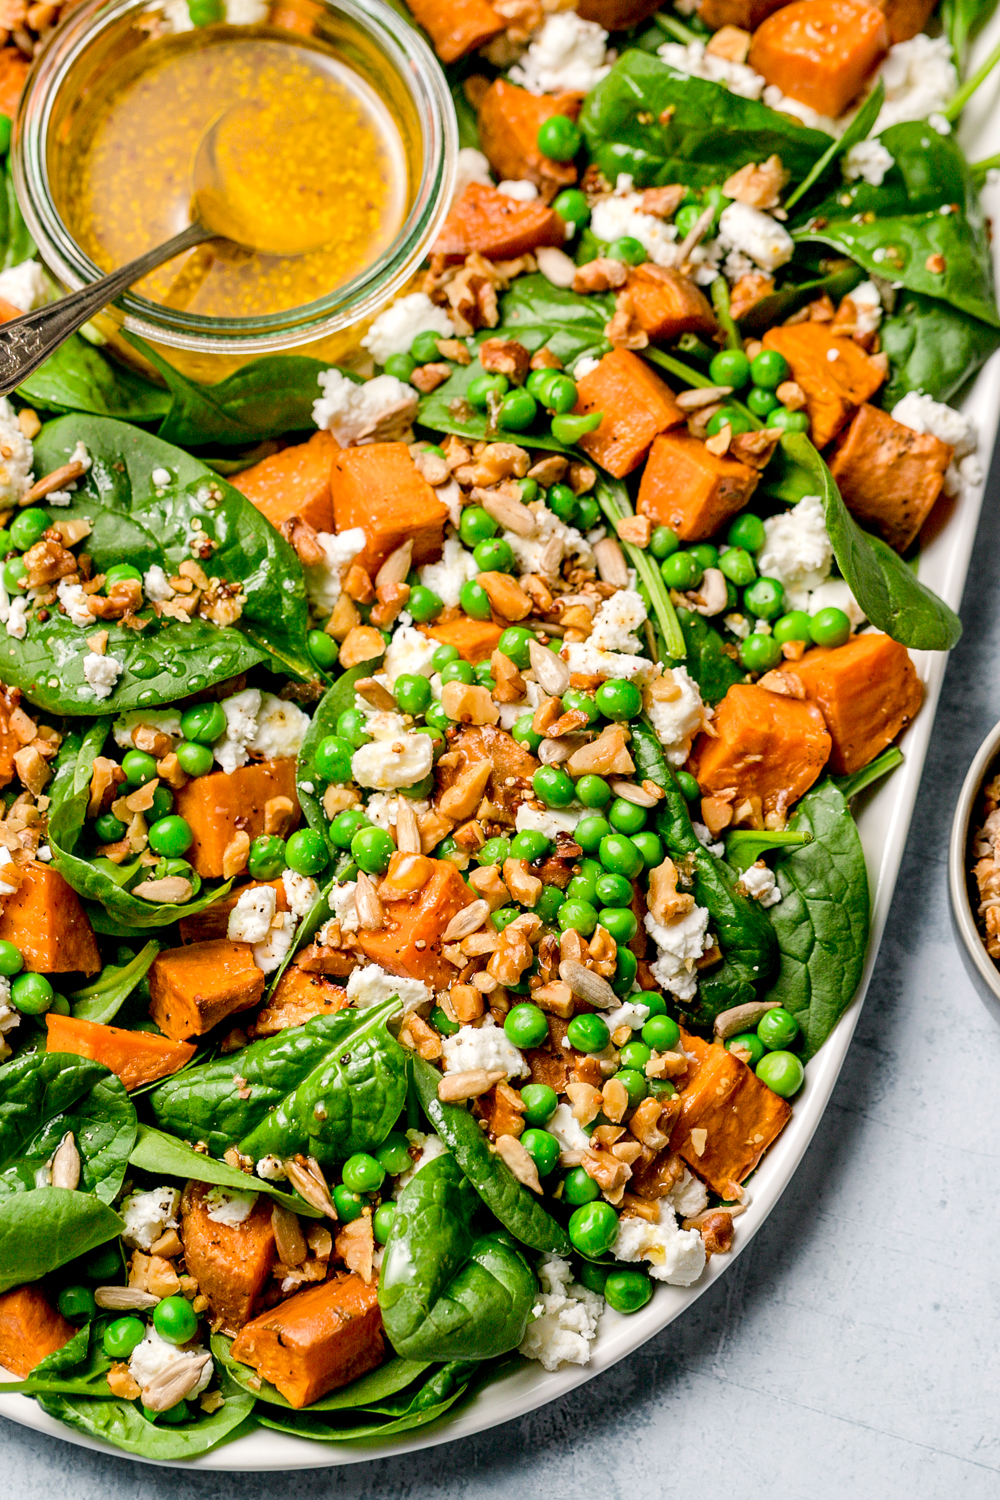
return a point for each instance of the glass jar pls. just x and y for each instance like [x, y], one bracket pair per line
[371, 38]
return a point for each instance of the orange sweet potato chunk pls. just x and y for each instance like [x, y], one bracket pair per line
[317, 1341]
[213, 922]
[13, 71]
[509, 118]
[746, 14]
[766, 746]
[905, 18]
[457, 26]
[192, 989]
[230, 1262]
[298, 997]
[740, 1116]
[294, 482]
[496, 226]
[221, 804]
[868, 691]
[9, 742]
[636, 404]
[820, 52]
[889, 475]
[617, 15]
[476, 640]
[692, 491]
[30, 1329]
[667, 304]
[420, 921]
[835, 374]
[379, 488]
[45, 919]
[135, 1056]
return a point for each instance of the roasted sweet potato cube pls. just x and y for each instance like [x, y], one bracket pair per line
[835, 374]
[457, 27]
[9, 742]
[820, 52]
[868, 691]
[298, 997]
[617, 15]
[135, 1056]
[498, 227]
[905, 18]
[476, 640]
[221, 804]
[746, 14]
[294, 482]
[509, 118]
[766, 745]
[636, 404]
[889, 475]
[739, 1115]
[317, 1341]
[30, 1329]
[692, 491]
[410, 942]
[192, 989]
[230, 1262]
[13, 71]
[46, 920]
[667, 304]
[379, 488]
[213, 922]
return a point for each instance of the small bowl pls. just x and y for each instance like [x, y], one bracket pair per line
[962, 888]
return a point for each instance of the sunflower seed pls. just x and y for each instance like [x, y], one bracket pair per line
[466, 922]
[611, 564]
[175, 1381]
[741, 1018]
[309, 1182]
[632, 793]
[550, 670]
[66, 1163]
[124, 1298]
[289, 1240]
[587, 985]
[407, 829]
[371, 913]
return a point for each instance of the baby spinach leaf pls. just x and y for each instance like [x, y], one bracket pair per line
[367, 1391]
[302, 1424]
[48, 1227]
[932, 347]
[858, 130]
[133, 521]
[661, 126]
[963, 20]
[16, 244]
[869, 774]
[79, 377]
[77, 1369]
[103, 998]
[309, 782]
[166, 1156]
[841, 277]
[509, 1200]
[745, 846]
[45, 1094]
[707, 660]
[122, 1424]
[888, 591]
[444, 1293]
[331, 1087]
[822, 920]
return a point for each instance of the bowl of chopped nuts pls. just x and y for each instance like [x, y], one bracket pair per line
[974, 871]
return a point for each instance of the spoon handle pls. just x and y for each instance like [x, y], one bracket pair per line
[27, 342]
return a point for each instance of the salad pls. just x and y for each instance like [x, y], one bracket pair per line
[427, 859]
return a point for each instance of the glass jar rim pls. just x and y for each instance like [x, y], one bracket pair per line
[401, 48]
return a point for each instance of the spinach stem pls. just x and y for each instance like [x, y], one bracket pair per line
[695, 378]
[614, 503]
[676, 29]
[859, 129]
[720, 301]
[969, 87]
[979, 169]
[850, 786]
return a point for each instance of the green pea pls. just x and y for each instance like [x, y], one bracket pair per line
[830, 627]
[204, 723]
[459, 671]
[11, 959]
[792, 627]
[628, 249]
[634, 1083]
[619, 855]
[635, 1056]
[578, 1188]
[650, 847]
[323, 649]
[768, 369]
[31, 994]
[475, 601]
[494, 852]
[529, 490]
[348, 1205]
[424, 348]
[782, 1072]
[705, 554]
[504, 917]
[436, 716]
[138, 767]
[529, 844]
[28, 527]
[515, 643]
[558, 138]
[480, 390]
[543, 1149]
[523, 733]
[627, 1291]
[560, 394]
[654, 1003]
[760, 653]
[266, 859]
[593, 791]
[573, 700]
[777, 1029]
[686, 218]
[731, 417]
[363, 1173]
[552, 786]
[175, 1320]
[547, 906]
[109, 829]
[588, 1033]
[688, 785]
[626, 817]
[437, 739]
[172, 837]
[662, 1033]
[525, 1026]
[620, 921]
[626, 968]
[372, 848]
[572, 206]
[76, 1303]
[307, 854]
[593, 1228]
[593, 1277]
[382, 1222]
[730, 367]
[412, 693]
[496, 556]
[401, 366]
[562, 502]
[162, 804]
[738, 566]
[619, 699]
[588, 512]
[577, 916]
[345, 825]
[476, 525]
[394, 1153]
[442, 1022]
[762, 402]
[570, 429]
[193, 758]
[748, 1043]
[517, 411]
[424, 605]
[15, 575]
[788, 421]
[663, 542]
[613, 890]
[583, 886]
[681, 571]
[540, 1103]
[765, 598]
[122, 1336]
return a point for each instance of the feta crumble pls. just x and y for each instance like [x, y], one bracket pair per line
[759, 882]
[161, 478]
[836, 594]
[377, 411]
[250, 919]
[798, 551]
[551, 541]
[101, 672]
[616, 621]
[472, 166]
[868, 160]
[241, 711]
[272, 952]
[694, 61]
[919, 79]
[394, 330]
[867, 307]
[620, 214]
[25, 286]
[763, 239]
[164, 720]
[485, 1047]
[581, 656]
[521, 192]
[324, 580]
[680, 943]
[149, 1215]
[15, 469]
[301, 893]
[281, 728]
[372, 984]
[16, 617]
[445, 578]
[566, 55]
[157, 585]
[675, 1255]
[271, 1169]
[343, 900]
[564, 1318]
[229, 1206]
[548, 821]
[921, 413]
[429, 1147]
[678, 720]
[688, 1196]
[154, 1355]
[409, 652]
[567, 1129]
[75, 602]
[383, 809]
[387, 764]
[632, 1014]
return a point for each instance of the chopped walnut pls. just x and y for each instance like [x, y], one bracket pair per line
[600, 275]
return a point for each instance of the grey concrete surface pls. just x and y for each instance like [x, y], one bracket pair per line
[854, 1346]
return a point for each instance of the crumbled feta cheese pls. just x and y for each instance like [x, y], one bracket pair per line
[271, 1169]
[697, 63]
[521, 192]
[919, 78]
[17, 625]
[567, 1129]
[379, 410]
[383, 809]
[759, 882]
[430, 1147]
[768, 243]
[15, 469]
[585, 366]
[75, 602]
[5, 859]
[798, 551]
[409, 652]
[149, 1215]
[246, 12]
[281, 728]
[445, 578]
[869, 160]
[101, 672]
[564, 1318]
[705, 838]
[372, 984]
[552, 540]
[324, 581]
[25, 286]
[387, 764]
[678, 720]
[615, 622]
[471, 166]
[343, 900]
[157, 585]
[549, 821]
[923, 414]
[10, 1017]
[566, 55]
[582, 657]
[485, 1047]
[867, 307]
[229, 1205]
[835, 594]
[394, 330]
[680, 942]
[301, 893]
[632, 1014]
[272, 952]
[675, 1255]
[161, 478]
[738, 624]
[688, 1196]
[154, 1354]
[241, 712]
[250, 919]
[620, 214]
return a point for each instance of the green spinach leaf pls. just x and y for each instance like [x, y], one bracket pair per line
[77, 1369]
[838, 279]
[509, 1200]
[45, 1094]
[103, 998]
[858, 130]
[613, 498]
[79, 377]
[16, 244]
[822, 920]
[48, 1227]
[707, 660]
[166, 1156]
[370, 1391]
[932, 347]
[963, 20]
[858, 781]
[310, 784]
[302, 1424]
[122, 1424]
